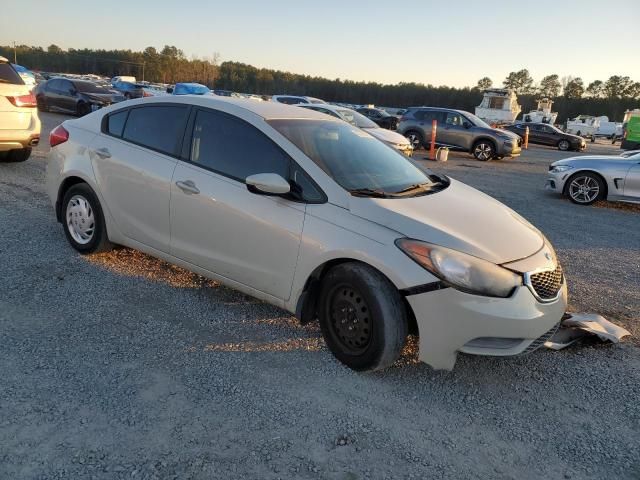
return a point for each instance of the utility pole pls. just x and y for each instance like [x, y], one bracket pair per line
[143, 71]
[15, 53]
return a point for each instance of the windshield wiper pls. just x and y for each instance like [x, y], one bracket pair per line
[415, 186]
[369, 192]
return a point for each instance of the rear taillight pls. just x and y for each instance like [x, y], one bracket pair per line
[146, 94]
[404, 118]
[58, 135]
[23, 101]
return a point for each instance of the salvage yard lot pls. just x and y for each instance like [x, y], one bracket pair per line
[121, 366]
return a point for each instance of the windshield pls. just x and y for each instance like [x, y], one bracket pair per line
[477, 121]
[352, 157]
[88, 87]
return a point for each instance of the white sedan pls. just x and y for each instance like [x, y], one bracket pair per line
[391, 138]
[313, 215]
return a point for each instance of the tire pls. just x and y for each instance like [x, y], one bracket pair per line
[18, 155]
[484, 150]
[355, 295]
[83, 220]
[415, 138]
[577, 185]
[564, 145]
[127, 96]
[42, 104]
[83, 109]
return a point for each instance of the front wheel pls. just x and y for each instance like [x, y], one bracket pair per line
[415, 139]
[484, 150]
[362, 317]
[585, 188]
[83, 220]
[564, 145]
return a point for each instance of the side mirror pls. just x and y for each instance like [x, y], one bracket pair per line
[267, 184]
[169, 90]
[466, 125]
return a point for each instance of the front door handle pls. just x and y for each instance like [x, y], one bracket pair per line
[188, 187]
[103, 152]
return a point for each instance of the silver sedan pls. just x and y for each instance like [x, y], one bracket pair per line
[599, 177]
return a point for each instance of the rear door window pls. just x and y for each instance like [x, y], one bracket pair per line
[115, 123]
[158, 127]
[9, 75]
[234, 148]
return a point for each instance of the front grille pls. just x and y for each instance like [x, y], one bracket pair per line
[547, 284]
[536, 344]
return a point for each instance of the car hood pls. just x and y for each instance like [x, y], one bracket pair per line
[458, 217]
[387, 136]
[590, 159]
[509, 133]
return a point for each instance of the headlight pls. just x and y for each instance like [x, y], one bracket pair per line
[560, 168]
[461, 271]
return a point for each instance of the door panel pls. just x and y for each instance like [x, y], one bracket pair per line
[251, 239]
[135, 183]
[451, 132]
[632, 182]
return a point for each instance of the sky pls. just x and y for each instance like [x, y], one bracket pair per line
[452, 43]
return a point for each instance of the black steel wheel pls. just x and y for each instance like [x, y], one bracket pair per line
[349, 318]
[362, 316]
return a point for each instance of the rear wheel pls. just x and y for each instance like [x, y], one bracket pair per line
[362, 317]
[83, 220]
[42, 104]
[564, 145]
[83, 109]
[585, 188]
[17, 155]
[415, 138]
[484, 150]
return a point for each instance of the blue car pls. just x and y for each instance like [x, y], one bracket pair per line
[191, 89]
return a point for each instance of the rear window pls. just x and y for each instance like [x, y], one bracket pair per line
[156, 127]
[9, 75]
[115, 123]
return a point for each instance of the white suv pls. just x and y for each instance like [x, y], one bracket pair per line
[19, 122]
[314, 215]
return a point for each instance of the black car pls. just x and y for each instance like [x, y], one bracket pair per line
[380, 117]
[77, 97]
[545, 134]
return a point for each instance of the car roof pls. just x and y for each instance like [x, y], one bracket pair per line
[440, 109]
[266, 110]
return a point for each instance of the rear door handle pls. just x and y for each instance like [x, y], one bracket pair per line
[188, 187]
[103, 152]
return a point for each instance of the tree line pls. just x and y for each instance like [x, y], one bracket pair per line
[611, 97]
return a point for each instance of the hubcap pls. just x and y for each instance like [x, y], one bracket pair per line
[80, 219]
[564, 145]
[584, 189]
[414, 140]
[350, 322]
[483, 151]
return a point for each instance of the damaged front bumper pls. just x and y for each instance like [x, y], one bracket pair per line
[451, 321]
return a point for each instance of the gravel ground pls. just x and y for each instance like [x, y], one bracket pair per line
[121, 366]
